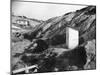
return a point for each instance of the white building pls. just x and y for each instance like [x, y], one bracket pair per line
[72, 38]
[22, 22]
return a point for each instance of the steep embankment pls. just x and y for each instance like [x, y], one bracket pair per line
[83, 20]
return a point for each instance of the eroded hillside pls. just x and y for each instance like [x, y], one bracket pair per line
[53, 31]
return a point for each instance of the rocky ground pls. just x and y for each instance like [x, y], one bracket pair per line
[57, 57]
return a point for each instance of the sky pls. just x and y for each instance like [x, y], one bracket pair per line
[42, 11]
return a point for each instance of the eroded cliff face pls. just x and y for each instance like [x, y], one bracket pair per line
[54, 31]
[83, 20]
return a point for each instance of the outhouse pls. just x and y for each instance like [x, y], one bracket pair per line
[72, 37]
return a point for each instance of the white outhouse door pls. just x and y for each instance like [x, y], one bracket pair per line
[72, 38]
